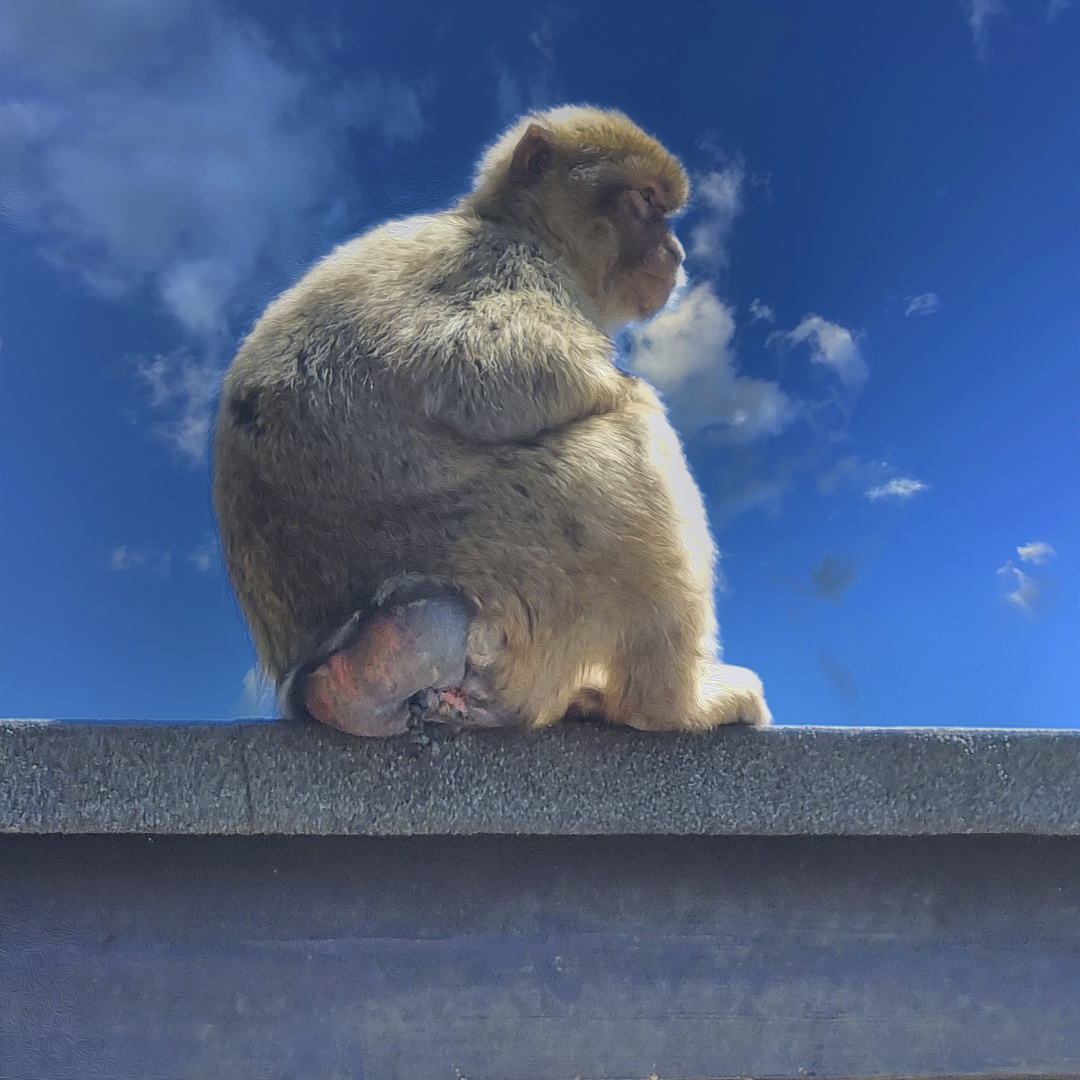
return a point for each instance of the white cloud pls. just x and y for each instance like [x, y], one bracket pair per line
[166, 146]
[155, 561]
[150, 559]
[686, 353]
[901, 489]
[1036, 552]
[831, 345]
[1055, 8]
[979, 13]
[718, 194]
[183, 387]
[203, 556]
[864, 476]
[1026, 593]
[760, 311]
[923, 304]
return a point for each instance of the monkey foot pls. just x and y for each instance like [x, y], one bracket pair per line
[405, 665]
[468, 705]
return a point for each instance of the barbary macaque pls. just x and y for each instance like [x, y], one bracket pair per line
[438, 496]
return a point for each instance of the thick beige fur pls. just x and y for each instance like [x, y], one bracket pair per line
[437, 401]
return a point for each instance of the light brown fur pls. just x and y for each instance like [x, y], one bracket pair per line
[436, 401]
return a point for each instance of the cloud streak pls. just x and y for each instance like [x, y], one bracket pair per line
[902, 488]
[923, 304]
[167, 149]
[979, 14]
[687, 354]
[877, 480]
[203, 556]
[761, 312]
[831, 345]
[1025, 593]
[147, 559]
[184, 388]
[535, 85]
[718, 195]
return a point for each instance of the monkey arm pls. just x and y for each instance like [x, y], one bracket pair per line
[518, 363]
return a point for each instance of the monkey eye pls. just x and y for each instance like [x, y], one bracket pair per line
[649, 195]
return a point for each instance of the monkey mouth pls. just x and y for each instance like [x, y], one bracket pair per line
[657, 287]
[661, 277]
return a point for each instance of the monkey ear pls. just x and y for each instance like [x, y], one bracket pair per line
[532, 155]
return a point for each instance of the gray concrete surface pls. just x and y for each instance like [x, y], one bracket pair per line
[538, 957]
[288, 778]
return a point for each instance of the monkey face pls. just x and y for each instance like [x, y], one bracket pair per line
[647, 264]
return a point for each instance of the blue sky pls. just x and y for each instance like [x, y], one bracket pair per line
[875, 363]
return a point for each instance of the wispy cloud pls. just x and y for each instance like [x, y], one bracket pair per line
[203, 556]
[831, 345]
[535, 82]
[923, 304]
[901, 489]
[718, 197]
[183, 388]
[509, 93]
[876, 480]
[148, 559]
[1055, 8]
[1025, 593]
[157, 561]
[687, 353]
[761, 312]
[1036, 552]
[168, 147]
[979, 14]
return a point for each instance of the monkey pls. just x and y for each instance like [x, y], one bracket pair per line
[438, 495]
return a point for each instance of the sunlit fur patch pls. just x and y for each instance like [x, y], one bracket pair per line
[587, 137]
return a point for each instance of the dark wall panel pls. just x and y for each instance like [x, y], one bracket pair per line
[501, 958]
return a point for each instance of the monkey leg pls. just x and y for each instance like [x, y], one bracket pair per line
[716, 694]
[376, 676]
[660, 687]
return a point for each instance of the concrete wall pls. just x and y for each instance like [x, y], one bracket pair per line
[784, 903]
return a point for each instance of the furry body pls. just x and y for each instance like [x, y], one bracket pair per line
[437, 401]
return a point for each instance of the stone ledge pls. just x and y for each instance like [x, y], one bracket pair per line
[574, 779]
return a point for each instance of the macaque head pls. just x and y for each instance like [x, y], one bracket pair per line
[598, 192]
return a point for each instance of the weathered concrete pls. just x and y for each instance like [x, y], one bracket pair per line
[856, 927]
[538, 958]
[291, 778]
